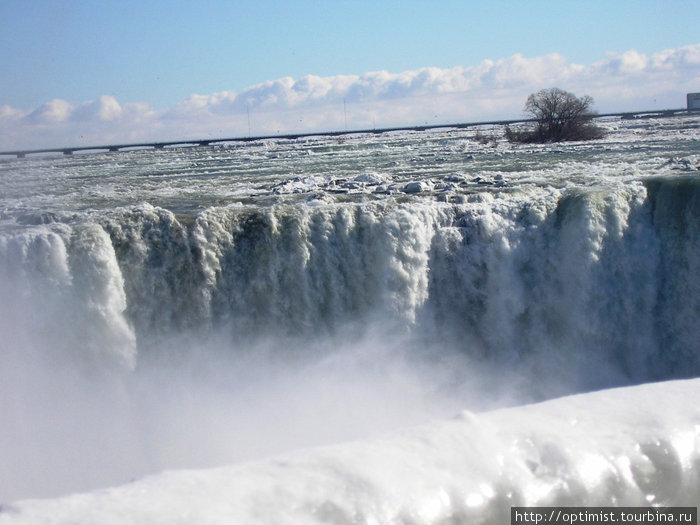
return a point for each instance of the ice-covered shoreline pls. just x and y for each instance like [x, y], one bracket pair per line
[633, 446]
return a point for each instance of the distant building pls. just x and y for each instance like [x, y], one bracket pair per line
[693, 100]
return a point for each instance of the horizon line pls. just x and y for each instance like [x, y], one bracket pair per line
[69, 150]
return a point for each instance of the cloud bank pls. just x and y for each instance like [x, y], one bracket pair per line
[491, 90]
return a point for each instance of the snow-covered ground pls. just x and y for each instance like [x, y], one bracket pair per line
[634, 446]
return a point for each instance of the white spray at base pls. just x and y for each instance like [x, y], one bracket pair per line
[635, 446]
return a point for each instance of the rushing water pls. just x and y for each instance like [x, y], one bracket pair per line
[197, 306]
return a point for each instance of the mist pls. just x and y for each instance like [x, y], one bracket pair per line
[74, 424]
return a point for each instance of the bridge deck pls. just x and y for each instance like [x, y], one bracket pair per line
[293, 136]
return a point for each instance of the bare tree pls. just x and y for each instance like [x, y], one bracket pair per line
[559, 115]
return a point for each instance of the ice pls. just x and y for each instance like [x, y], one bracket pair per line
[634, 446]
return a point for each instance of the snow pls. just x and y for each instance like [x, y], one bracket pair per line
[633, 446]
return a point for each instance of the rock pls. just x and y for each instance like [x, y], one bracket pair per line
[415, 187]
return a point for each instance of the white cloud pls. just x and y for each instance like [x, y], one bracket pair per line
[54, 111]
[532, 72]
[105, 108]
[9, 114]
[627, 63]
[490, 90]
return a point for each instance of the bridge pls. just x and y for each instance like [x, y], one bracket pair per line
[294, 136]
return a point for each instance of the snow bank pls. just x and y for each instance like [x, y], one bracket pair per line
[629, 446]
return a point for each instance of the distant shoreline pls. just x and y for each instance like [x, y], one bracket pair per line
[69, 150]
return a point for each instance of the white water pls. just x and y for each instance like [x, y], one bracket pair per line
[198, 307]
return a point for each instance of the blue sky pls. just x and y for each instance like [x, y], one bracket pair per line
[160, 53]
